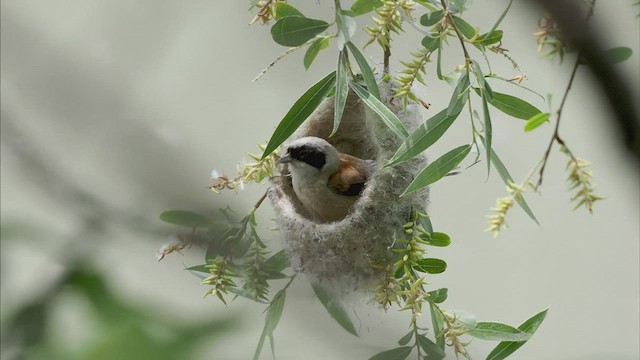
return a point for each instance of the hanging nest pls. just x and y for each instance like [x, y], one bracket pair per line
[350, 254]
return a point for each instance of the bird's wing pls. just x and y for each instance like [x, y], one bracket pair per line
[351, 176]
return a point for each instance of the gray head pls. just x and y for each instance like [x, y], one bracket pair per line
[311, 155]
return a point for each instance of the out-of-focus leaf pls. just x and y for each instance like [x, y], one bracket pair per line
[430, 348]
[438, 296]
[495, 331]
[431, 18]
[342, 90]
[278, 262]
[506, 178]
[387, 116]
[439, 168]
[618, 54]
[299, 112]
[423, 137]
[399, 353]
[367, 74]
[185, 218]
[535, 121]
[405, 339]
[274, 313]
[316, 46]
[432, 265]
[285, 9]
[361, 7]
[467, 30]
[335, 309]
[530, 326]
[296, 30]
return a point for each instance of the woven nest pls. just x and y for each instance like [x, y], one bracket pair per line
[341, 254]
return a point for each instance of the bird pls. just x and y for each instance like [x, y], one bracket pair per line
[326, 182]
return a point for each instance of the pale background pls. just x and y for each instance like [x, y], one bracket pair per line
[134, 102]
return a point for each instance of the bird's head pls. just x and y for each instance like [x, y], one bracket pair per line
[310, 156]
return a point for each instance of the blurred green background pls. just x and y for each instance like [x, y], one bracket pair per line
[114, 111]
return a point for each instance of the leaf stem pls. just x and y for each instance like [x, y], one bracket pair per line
[455, 28]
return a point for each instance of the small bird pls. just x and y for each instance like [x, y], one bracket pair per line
[326, 182]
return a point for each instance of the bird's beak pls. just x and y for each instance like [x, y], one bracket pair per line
[284, 159]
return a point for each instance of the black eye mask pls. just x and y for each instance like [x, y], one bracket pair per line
[309, 155]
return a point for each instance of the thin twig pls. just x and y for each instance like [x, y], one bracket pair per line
[455, 28]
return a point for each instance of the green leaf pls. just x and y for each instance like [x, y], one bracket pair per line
[535, 121]
[316, 46]
[296, 30]
[405, 339]
[430, 348]
[361, 7]
[342, 90]
[299, 112]
[506, 178]
[439, 239]
[618, 54]
[367, 74]
[431, 266]
[504, 13]
[438, 296]
[278, 262]
[387, 116]
[431, 44]
[513, 106]
[504, 349]
[465, 319]
[490, 38]
[431, 18]
[399, 353]
[347, 27]
[423, 137]
[467, 30]
[439, 63]
[274, 313]
[488, 130]
[284, 9]
[439, 168]
[494, 331]
[185, 218]
[460, 95]
[335, 309]
[437, 323]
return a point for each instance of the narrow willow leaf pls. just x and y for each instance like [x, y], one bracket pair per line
[466, 319]
[460, 95]
[387, 116]
[485, 89]
[284, 9]
[361, 7]
[367, 74]
[431, 18]
[490, 38]
[316, 46]
[199, 268]
[504, 13]
[278, 262]
[535, 121]
[494, 331]
[438, 169]
[423, 137]
[274, 312]
[250, 295]
[431, 266]
[296, 30]
[507, 179]
[431, 44]
[439, 239]
[438, 296]
[430, 348]
[488, 130]
[465, 29]
[335, 309]
[299, 112]
[513, 106]
[399, 353]
[504, 349]
[347, 27]
[405, 339]
[342, 90]
[618, 54]
[437, 323]
[439, 63]
[185, 218]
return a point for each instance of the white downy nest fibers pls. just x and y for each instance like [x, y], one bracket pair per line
[340, 255]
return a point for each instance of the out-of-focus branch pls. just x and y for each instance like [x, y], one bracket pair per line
[613, 86]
